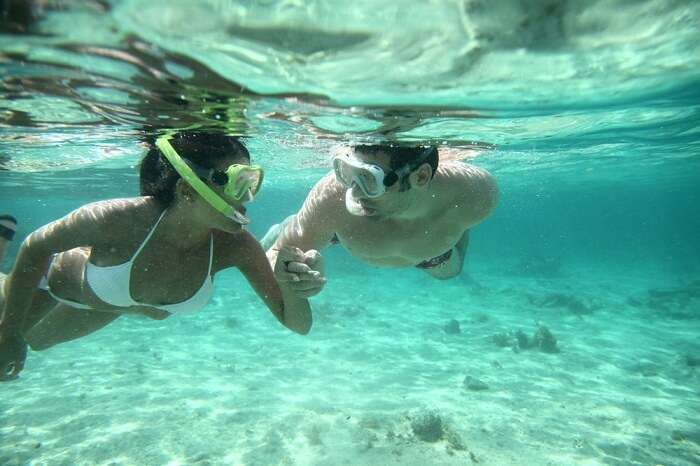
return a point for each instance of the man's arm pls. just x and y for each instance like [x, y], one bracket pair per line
[310, 230]
[474, 195]
[452, 267]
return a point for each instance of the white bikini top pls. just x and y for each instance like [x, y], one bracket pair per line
[112, 284]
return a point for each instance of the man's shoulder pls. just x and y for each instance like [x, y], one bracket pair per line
[455, 171]
[466, 186]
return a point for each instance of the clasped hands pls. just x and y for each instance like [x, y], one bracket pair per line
[302, 272]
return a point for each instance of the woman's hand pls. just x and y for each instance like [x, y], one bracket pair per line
[302, 272]
[13, 352]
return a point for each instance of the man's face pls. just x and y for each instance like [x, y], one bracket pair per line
[388, 203]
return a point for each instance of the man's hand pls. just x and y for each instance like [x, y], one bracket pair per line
[13, 352]
[302, 272]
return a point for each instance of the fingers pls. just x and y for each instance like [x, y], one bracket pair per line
[13, 351]
[301, 271]
[291, 254]
[309, 294]
[315, 260]
[287, 277]
[9, 372]
[313, 257]
[298, 267]
[305, 285]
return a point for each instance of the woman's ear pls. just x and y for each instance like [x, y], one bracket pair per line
[184, 191]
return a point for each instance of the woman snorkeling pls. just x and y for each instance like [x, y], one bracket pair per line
[154, 255]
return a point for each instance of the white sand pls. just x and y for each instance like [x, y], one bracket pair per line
[228, 386]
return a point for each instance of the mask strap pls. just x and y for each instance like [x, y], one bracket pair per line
[409, 167]
[163, 143]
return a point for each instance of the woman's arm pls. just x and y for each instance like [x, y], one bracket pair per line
[249, 257]
[81, 227]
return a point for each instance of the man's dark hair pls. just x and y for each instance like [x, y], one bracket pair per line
[401, 155]
[158, 177]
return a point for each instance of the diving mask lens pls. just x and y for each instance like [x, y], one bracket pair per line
[243, 181]
[342, 172]
[369, 178]
[368, 183]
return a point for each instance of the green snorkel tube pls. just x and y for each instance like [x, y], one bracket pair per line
[186, 172]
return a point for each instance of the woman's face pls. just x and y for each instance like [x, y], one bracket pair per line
[219, 220]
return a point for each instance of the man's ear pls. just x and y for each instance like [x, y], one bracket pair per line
[421, 175]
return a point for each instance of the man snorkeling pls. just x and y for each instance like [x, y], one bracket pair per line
[389, 206]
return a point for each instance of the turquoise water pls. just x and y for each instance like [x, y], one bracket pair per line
[586, 114]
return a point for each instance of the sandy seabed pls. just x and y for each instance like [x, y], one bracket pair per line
[398, 370]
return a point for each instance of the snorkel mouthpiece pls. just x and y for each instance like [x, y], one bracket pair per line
[163, 143]
[239, 218]
[353, 206]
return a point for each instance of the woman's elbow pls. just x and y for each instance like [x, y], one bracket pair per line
[302, 326]
[301, 329]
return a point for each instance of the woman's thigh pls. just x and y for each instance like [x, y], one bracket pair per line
[64, 323]
[42, 303]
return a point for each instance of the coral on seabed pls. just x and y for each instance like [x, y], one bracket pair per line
[542, 340]
[545, 340]
[428, 427]
[474, 384]
[452, 327]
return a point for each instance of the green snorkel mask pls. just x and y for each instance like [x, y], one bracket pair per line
[240, 182]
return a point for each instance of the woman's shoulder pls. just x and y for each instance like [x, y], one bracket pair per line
[231, 249]
[102, 222]
[232, 242]
[128, 209]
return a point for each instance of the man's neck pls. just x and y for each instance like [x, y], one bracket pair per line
[420, 204]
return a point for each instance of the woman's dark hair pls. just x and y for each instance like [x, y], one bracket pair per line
[157, 175]
[399, 156]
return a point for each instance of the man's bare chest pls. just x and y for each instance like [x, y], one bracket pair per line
[399, 244]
